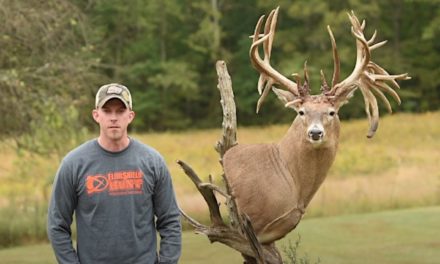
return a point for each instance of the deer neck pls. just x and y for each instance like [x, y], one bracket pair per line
[308, 165]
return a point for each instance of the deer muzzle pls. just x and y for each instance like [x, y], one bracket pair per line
[315, 133]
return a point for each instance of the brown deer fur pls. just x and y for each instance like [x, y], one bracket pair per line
[274, 183]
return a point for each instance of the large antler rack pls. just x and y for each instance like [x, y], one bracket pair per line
[369, 77]
[268, 75]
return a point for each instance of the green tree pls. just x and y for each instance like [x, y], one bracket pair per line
[146, 46]
[45, 73]
[412, 31]
[59, 52]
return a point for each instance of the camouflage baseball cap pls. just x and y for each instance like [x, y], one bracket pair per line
[113, 90]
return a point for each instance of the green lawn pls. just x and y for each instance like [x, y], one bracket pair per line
[391, 237]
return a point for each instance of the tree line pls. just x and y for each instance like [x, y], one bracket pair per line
[54, 54]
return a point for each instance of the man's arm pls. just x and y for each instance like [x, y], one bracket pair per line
[62, 205]
[168, 219]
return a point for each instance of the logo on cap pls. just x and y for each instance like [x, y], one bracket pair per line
[115, 90]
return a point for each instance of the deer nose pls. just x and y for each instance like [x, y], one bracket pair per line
[316, 134]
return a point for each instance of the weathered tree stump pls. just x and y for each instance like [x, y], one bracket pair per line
[238, 233]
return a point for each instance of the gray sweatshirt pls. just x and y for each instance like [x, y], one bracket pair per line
[120, 200]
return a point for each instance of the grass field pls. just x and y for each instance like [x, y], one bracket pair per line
[398, 168]
[390, 237]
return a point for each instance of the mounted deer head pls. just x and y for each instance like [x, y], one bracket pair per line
[369, 77]
[274, 183]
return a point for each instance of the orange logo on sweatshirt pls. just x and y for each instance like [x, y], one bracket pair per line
[116, 183]
[97, 183]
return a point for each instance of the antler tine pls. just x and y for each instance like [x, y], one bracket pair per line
[264, 83]
[324, 86]
[267, 41]
[378, 45]
[255, 41]
[373, 116]
[381, 74]
[306, 72]
[385, 100]
[369, 77]
[373, 37]
[336, 61]
[304, 90]
[268, 75]
[269, 27]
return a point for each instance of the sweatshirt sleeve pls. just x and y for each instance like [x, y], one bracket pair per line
[62, 205]
[168, 218]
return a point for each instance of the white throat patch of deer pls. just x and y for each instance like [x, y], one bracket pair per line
[274, 183]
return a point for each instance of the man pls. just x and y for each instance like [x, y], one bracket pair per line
[121, 193]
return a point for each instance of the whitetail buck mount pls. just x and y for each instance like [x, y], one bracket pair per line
[270, 185]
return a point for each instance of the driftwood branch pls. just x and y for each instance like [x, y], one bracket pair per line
[238, 234]
[229, 138]
[206, 192]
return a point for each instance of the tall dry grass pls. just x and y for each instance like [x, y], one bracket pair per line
[399, 167]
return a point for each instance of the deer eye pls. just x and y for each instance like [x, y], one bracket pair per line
[332, 113]
[301, 112]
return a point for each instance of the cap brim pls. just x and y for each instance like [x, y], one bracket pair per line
[114, 96]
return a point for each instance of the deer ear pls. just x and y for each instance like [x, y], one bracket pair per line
[284, 96]
[287, 98]
[344, 99]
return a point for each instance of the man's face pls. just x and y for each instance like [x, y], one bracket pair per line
[113, 119]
